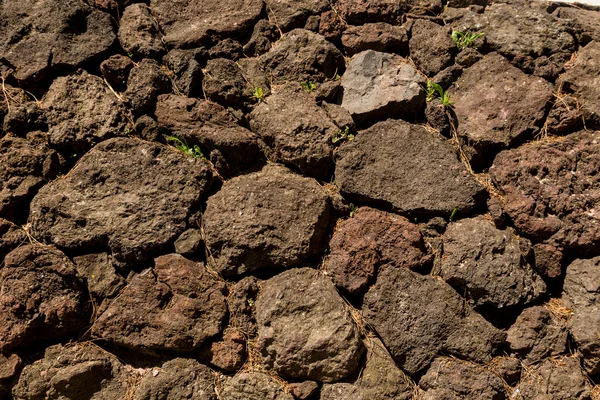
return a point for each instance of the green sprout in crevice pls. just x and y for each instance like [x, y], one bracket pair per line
[182, 145]
[465, 39]
[258, 93]
[434, 90]
[342, 135]
[308, 87]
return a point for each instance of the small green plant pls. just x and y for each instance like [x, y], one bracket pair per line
[452, 215]
[258, 93]
[342, 135]
[308, 87]
[353, 210]
[183, 146]
[337, 77]
[465, 39]
[434, 90]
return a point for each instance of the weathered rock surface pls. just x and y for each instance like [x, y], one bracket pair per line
[294, 130]
[486, 265]
[587, 22]
[497, 106]
[39, 36]
[139, 34]
[582, 78]
[379, 86]
[431, 47]
[80, 371]
[126, 195]
[100, 275]
[189, 23]
[41, 298]
[180, 378]
[415, 326]
[290, 14]
[147, 80]
[26, 164]
[369, 239]
[267, 219]
[377, 36]
[208, 124]
[358, 11]
[241, 301]
[304, 328]
[115, 69]
[550, 190]
[253, 386]
[555, 379]
[303, 56]
[81, 111]
[176, 306]
[380, 379]
[581, 293]
[224, 83]
[403, 166]
[450, 378]
[11, 237]
[537, 334]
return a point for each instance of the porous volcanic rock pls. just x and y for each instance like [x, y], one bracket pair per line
[377, 36]
[536, 32]
[186, 66]
[39, 35]
[416, 325]
[100, 275]
[82, 111]
[26, 164]
[224, 83]
[290, 14]
[304, 328]
[450, 378]
[556, 379]
[550, 190]
[189, 23]
[241, 301]
[159, 308]
[358, 11]
[212, 127]
[369, 239]
[486, 264]
[403, 166]
[498, 106]
[582, 78]
[581, 294]
[139, 34]
[537, 334]
[115, 69]
[303, 56]
[587, 22]
[126, 195]
[79, 371]
[253, 386]
[147, 80]
[42, 298]
[180, 378]
[267, 219]
[11, 237]
[380, 85]
[294, 130]
[380, 379]
[431, 47]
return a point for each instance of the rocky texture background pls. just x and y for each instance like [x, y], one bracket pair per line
[327, 224]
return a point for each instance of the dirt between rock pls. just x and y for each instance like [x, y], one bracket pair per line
[299, 199]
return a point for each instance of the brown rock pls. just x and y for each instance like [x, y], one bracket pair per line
[230, 353]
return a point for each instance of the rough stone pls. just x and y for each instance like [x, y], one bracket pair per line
[147, 80]
[180, 378]
[189, 242]
[497, 107]
[431, 46]
[139, 34]
[536, 335]
[241, 305]
[187, 70]
[582, 79]
[229, 49]
[101, 278]
[379, 85]
[415, 326]
[565, 116]
[304, 328]
[403, 166]
[212, 127]
[304, 390]
[229, 354]
[450, 378]
[40, 36]
[290, 14]
[11, 237]
[549, 189]
[356, 12]
[25, 166]
[253, 386]
[265, 32]
[303, 56]
[587, 22]
[548, 260]
[581, 292]
[295, 131]
[486, 264]
[115, 69]
[224, 83]
[126, 195]
[160, 309]
[377, 36]
[267, 219]
[41, 297]
[81, 111]
[189, 23]
[369, 239]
